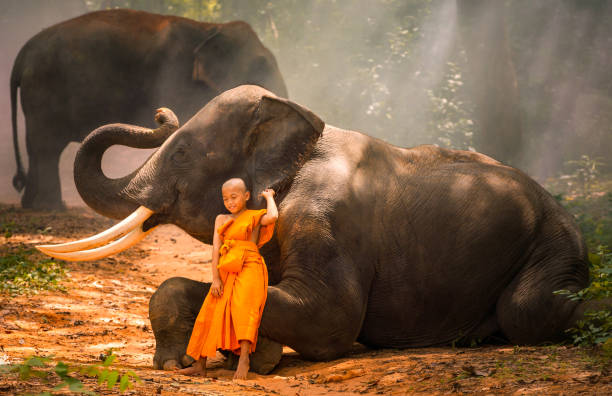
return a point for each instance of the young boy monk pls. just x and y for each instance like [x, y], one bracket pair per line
[230, 315]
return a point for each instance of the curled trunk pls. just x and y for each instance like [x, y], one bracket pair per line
[101, 193]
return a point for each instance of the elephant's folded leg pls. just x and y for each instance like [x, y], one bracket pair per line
[528, 311]
[172, 311]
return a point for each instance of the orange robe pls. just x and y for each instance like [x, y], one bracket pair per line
[224, 321]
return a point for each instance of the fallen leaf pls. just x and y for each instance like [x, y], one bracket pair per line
[391, 379]
[478, 373]
[338, 377]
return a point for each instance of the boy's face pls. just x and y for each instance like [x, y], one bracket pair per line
[235, 198]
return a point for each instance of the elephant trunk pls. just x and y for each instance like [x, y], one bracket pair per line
[101, 193]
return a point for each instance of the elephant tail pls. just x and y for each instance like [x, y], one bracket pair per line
[19, 180]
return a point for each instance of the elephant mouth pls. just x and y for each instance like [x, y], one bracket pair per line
[116, 239]
[153, 221]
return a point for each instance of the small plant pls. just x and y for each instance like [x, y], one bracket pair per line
[7, 228]
[21, 275]
[596, 327]
[36, 366]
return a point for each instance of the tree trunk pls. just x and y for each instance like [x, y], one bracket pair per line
[491, 79]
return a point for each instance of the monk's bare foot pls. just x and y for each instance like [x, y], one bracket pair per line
[196, 369]
[242, 369]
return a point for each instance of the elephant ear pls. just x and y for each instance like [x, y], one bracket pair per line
[281, 140]
[218, 58]
[210, 57]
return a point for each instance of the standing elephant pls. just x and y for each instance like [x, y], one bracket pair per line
[116, 65]
[387, 246]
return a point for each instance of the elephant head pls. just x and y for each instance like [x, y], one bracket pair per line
[231, 54]
[245, 132]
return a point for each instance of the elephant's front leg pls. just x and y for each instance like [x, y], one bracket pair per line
[318, 308]
[173, 309]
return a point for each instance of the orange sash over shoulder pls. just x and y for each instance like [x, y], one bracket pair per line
[224, 321]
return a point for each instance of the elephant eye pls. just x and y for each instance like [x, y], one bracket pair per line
[179, 156]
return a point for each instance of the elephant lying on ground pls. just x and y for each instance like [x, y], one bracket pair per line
[117, 65]
[387, 246]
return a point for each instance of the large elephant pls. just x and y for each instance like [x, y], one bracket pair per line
[387, 246]
[116, 65]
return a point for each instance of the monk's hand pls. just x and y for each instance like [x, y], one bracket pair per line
[216, 289]
[268, 193]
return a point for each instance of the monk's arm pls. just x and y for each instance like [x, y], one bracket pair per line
[216, 247]
[271, 211]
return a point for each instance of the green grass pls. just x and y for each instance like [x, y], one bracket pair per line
[42, 367]
[20, 274]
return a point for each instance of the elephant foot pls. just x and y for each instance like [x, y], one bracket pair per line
[171, 361]
[266, 357]
[171, 365]
[44, 205]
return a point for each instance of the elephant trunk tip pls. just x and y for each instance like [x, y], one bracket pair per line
[165, 116]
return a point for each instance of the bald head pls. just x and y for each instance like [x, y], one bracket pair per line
[235, 183]
[235, 195]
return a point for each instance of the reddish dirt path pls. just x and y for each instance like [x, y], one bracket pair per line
[106, 305]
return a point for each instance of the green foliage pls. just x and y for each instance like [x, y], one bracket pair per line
[36, 366]
[594, 217]
[596, 327]
[586, 170]
[451, 123]
[7, 228]
[19, 274]
[587, 195]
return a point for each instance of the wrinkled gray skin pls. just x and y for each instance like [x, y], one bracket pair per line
[115, 66]
[387, 246]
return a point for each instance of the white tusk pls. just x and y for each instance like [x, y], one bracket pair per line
[132, 238]
[118, 230]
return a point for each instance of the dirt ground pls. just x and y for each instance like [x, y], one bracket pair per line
[106, 306]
